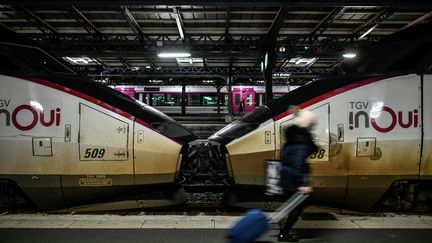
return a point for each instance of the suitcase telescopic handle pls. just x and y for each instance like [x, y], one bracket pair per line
[287, 207]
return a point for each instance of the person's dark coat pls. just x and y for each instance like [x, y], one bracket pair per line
[241, 107]
[298, 147]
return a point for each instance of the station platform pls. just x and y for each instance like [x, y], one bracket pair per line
[143, 227]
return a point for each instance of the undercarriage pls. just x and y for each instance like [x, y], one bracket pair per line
[204, 166]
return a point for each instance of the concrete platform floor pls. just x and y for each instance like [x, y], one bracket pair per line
[201, 221]
[313, 227]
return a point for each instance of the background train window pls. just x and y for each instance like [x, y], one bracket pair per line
[145, 98]
[194, 99]
[209, 100]
[237, 99]
[141, 97]
[173, 99]
[159, 100]
[249, 99]
[257, 99]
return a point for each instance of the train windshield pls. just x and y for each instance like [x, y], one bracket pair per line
[33, 59]
[233, 131]
[244, 125]
[165, 125]
[173, 130]
[260, 114]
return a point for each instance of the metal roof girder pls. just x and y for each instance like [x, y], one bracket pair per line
[41, 24]
[84, 21]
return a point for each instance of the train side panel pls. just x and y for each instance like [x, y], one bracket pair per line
[247, 155]
[369, 136]
[62, 148]
[101, 166]
[426, 164]
[377, 127]
[156, 157]
[28, 148]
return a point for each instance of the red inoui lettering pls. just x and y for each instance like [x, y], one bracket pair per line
[23, 127]
[391, 126]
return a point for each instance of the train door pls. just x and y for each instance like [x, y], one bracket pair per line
[104, 168]
[245, 95]
[329, 177]
[320, 133]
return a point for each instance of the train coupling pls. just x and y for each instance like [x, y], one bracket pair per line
[204, 164]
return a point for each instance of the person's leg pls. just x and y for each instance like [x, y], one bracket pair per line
[292, 218]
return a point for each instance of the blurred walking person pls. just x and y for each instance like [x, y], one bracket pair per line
[298, 146]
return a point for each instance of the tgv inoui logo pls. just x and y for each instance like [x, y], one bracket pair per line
[382, 118]
[26, 116]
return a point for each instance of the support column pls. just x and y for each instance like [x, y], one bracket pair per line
[183, 99]
[148, 99]
[228, 85]
[218, 88]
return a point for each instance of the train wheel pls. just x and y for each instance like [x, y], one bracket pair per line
[405, 195]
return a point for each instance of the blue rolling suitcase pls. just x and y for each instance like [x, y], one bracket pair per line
[254, 223]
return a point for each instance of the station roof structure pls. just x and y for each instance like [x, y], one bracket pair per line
[119, 41]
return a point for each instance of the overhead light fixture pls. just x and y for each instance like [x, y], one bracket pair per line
[367, 32]
[179, 22]
[190, 60]
[349, 55]
[173, 54]
[311, 61]
[302, 61]
[78, 60]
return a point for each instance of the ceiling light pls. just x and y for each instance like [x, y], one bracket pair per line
[173, 54]
[349, 55]
[311, 61]
[179, 22]
[367, 32]
[190, 60]
[78, 60]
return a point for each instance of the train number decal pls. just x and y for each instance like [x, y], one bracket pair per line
[94, 153]
[321, 155]
[318, 154]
